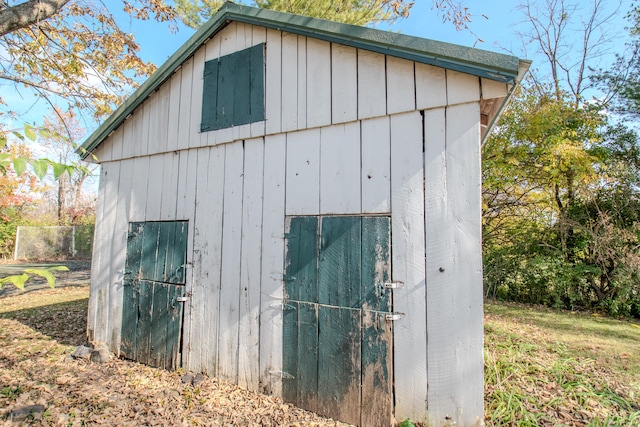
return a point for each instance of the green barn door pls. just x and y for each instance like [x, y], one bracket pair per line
[337, 341]
[153, 289]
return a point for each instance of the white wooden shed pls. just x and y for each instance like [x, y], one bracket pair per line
[294, 205]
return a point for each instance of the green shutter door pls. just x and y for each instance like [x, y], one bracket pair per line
[153, 286]
[337, 352]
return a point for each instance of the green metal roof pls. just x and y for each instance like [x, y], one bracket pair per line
[482, 63]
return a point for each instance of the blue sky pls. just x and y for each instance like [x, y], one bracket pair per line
[498, 32]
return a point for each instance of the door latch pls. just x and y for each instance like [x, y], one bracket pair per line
[394, 285]
[393, 316]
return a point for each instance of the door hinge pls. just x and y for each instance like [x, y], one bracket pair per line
[394, 285]
[182, 299]
[393, 316]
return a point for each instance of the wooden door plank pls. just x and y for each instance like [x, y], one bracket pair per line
[376, 165]
[143, 328]
[130, 293]
[307, 353]
[376, 263]
[341, 166]
[251, 253]
[131, 290]
[176, 253]
[377, 370]
[372, 85]
[339, 363]
[174, 327]
[149, 254]
[340, 269]
[289, 352]
[165, 233]
[301, 259]
[273, 242]
[344, 84]
[159, 324]
[303, 173]
[408, 264]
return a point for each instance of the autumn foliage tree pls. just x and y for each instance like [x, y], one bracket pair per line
[561, 188]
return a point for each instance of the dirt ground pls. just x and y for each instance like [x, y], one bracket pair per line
[79, 274]
[40, 384]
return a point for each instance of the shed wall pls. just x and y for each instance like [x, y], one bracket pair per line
[346, 132]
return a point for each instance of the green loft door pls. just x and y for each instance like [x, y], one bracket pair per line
[337, 343]
[153, 287]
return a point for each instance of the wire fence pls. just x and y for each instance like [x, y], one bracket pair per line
[54, 242]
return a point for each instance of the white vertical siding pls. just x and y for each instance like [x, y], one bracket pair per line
[400, 85]
[372, 87]
[258, 35]
[185, 210]
[408, 265]
[118, 253]
[340, 169]
[431, 87]
[231, 256]
[303, 173]
[184, 111]
[173, 130]
[462, 88]
[99, 257]
[376, 165]
[273, 82]
[289, 100]
[454, 265]
[344, 84]
[318, 83]
[250, 266]
[272, 262]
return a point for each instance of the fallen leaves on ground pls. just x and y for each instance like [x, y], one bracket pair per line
[35, 370]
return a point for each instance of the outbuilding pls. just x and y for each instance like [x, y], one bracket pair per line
[294, 205]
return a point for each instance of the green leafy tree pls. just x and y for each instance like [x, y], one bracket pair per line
[357, 12]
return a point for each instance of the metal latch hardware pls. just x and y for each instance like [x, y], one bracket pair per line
[393, 316]
[182, 299]
[393, 285]
[283, 374]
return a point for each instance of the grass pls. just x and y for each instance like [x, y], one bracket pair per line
[553, 368]
[542, 367]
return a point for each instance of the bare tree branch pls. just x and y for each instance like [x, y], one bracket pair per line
[28, 13]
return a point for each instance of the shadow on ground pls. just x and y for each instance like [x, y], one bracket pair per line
[65, 322]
